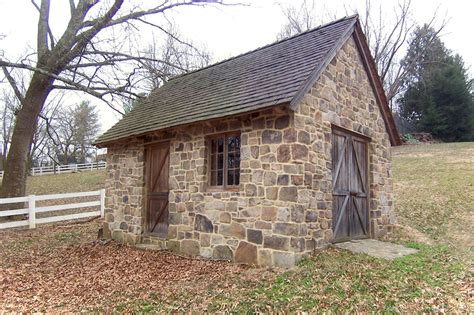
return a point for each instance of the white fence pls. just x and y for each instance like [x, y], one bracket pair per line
[32, 209]
[69, 168]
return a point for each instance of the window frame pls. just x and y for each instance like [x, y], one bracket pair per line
[225, 186]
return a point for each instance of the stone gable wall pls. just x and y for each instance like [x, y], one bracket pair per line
[283, 207]
[344, 97]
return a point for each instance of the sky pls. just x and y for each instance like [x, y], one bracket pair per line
[227, 31]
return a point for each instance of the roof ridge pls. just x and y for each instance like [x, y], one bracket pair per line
[348, 17]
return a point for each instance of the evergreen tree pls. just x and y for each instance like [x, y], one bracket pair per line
[453, 102]
[437, 96]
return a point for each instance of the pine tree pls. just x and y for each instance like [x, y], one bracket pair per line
[437, 96]
[453, 102]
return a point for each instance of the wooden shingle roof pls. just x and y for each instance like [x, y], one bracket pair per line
[274, 74]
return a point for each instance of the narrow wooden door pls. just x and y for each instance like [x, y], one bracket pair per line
[350, 186]
[157, 187]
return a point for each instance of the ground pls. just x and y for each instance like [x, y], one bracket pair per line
[434, 186]
[64, 267]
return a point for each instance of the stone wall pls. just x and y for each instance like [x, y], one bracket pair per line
[344, 97]
[125, 187]
[283, 207]
[264, 221]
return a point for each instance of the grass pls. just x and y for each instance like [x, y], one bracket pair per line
[433, 187]
[72, 182]
[434, 191]
[332, 281]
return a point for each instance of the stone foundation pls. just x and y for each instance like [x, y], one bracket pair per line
[283, 207]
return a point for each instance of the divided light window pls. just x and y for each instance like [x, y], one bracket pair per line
[224, 161]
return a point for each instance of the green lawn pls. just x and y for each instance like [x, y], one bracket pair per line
[72, 182]
[434, 189]
[434, 186]
[333, 280]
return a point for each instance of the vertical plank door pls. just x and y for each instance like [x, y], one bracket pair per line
[350, 186]
[157, 188]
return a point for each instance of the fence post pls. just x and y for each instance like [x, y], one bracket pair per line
[32, 211]
[102, 203]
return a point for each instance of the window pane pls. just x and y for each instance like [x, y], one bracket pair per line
[213, 162]
[230, 178]
[220, 161]
[237, 143]
[231, 161]
[220, 178]
[213, 146]
[231, 144]
[220, 145]
[237, 159]
[217, 145]
[237, 177]
[213, 178]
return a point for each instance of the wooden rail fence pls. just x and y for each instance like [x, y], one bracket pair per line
[69, 168]
[31, 220]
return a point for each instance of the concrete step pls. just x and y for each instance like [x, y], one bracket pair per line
[376, 248]
[151, 247]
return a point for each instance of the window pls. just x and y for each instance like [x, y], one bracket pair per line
[224, 161]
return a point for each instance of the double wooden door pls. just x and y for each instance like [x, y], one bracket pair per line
[157, 189]
[350, 186]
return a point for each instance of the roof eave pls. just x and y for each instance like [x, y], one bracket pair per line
[377, 85]
[105, 143]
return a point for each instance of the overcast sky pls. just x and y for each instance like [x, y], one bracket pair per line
[230, 30]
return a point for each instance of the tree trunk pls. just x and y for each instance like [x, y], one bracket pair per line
[16, 166]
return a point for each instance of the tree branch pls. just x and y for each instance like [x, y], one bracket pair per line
[13, 84]
[43, 28]
[72, 85]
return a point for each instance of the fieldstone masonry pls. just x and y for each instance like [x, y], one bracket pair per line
[283, 207]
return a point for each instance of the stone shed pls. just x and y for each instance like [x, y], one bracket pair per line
[261, 158]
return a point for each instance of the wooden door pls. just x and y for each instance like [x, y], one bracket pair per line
[350, 186]
[158, 156]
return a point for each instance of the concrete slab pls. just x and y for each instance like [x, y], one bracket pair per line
[376, 248]
[151, 247]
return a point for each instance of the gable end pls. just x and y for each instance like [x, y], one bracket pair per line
[370, 67]
[314, 76]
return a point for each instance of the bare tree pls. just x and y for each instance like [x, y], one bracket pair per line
[388, 42]
[299, 20]
[9, 105]
[87, 126]
[93, 54]
[179, 57]
[42, 143]
[387, 37]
